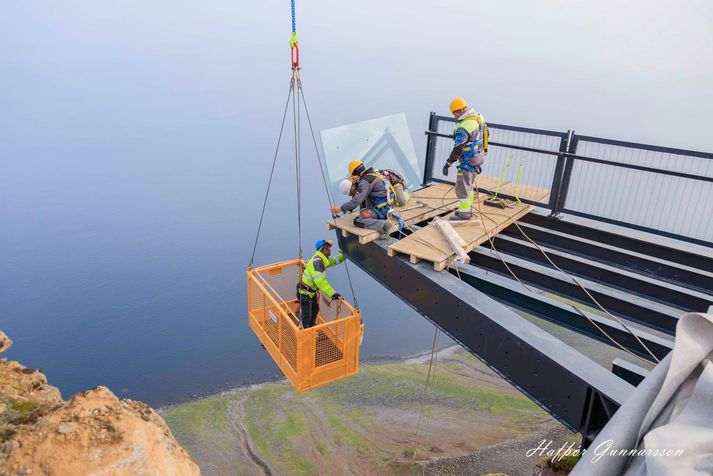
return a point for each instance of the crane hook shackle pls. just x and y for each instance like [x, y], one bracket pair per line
[295, 51]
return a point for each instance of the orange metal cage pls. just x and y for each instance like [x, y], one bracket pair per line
[310, 357]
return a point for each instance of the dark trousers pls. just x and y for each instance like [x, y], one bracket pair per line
[309, 308]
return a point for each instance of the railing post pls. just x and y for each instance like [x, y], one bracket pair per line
[563, 174]
[430, 149]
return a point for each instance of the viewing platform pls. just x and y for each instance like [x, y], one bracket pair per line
[426, 241]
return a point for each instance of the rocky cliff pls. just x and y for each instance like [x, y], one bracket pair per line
[91, 433]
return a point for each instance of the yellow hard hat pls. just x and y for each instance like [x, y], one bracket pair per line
[458, 103]
[353, 165]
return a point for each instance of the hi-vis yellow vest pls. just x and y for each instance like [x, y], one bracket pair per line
[477, 142]
[315, 274]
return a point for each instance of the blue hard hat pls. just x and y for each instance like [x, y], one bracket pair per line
[321, 243]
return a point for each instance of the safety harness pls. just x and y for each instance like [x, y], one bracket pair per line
[313, 280]
[473, 148]
[382, 207]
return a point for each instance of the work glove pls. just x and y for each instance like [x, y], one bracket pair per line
[445, 169]
[336, 296]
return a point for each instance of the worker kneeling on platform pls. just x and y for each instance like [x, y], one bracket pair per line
[314, 281]
[396, 183]
[372, 195]
[470, 147]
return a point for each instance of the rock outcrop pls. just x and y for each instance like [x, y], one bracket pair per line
[91, 433]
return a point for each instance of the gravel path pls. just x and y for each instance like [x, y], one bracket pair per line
[236, 414]
[508, 457]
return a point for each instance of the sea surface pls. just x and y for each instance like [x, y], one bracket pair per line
[136, 141]
[139, 284]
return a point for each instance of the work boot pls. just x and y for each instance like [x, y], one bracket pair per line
[458, 216]
[386, 231]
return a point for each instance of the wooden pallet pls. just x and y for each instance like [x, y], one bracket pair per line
[430, 244]
[429, 202]
[424, 204]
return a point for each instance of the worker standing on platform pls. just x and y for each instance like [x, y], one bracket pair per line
[470, 147]
[373, 195]
[314, 281]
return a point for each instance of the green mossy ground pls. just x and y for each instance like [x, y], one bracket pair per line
[294, 432]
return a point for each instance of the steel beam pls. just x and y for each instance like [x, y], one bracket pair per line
[578, 320]
[570, 386]
[620, 237]
[644, 286]
[620, 304]
[655, 267]
[632, 373]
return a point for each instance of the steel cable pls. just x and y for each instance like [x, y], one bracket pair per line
[296, 126]
[272, 172]
[324, 181]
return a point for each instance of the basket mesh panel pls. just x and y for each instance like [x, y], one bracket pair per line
[329, 345]
[272, 319]
[289, 345]
[282, 284]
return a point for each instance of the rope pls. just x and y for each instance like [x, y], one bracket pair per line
[430, 409]
[324, 181]
[490, 238]
[575, 280]
[272, 172]
[429, 379]
[594, 300]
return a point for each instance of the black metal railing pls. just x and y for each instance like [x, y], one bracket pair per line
[650, 188]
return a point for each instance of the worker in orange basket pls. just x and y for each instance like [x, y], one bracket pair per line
[314, 281]
[372, 195]
[470, 139]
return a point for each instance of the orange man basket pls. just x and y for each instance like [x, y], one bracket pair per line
[311, 357]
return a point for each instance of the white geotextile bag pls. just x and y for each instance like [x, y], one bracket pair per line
[667, 423]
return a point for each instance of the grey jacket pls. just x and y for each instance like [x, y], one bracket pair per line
[369, 188]
[461, 138]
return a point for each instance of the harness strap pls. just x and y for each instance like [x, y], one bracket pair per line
[378, 202]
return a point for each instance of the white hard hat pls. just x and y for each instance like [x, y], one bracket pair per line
[345, 186]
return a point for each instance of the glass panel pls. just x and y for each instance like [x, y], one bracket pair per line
[383, 143]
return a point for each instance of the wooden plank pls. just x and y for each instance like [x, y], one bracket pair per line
[429, 244]
[488, 182]
[458, 245]
[509, 188]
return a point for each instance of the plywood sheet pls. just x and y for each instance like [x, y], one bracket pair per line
[429, 243]
[516, 190]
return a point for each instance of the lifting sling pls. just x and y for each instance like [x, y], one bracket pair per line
[329, 350]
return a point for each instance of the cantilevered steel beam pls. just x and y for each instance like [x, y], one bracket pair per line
[618, 303]
[626, 258]
[620, 237]
[514, 294]
[610, 274]
[570, 386]
[632, 373]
